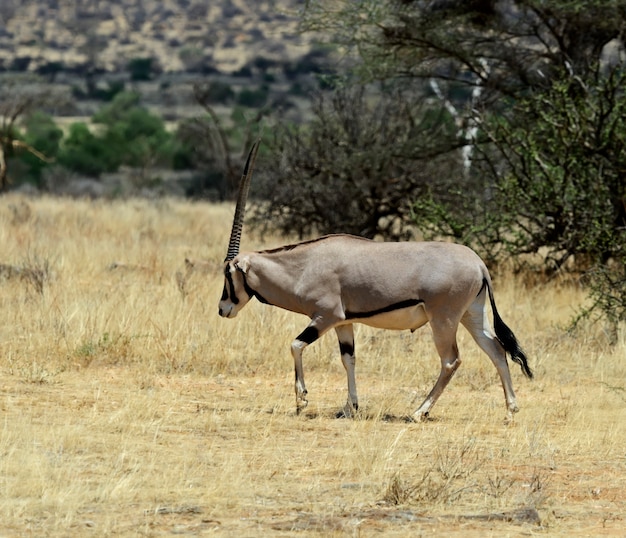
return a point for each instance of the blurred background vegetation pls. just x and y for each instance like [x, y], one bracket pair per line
[498, 123]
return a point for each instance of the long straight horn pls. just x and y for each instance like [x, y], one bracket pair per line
[240, 208]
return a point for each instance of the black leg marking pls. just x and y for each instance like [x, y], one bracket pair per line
[309, 335]
[346, 348]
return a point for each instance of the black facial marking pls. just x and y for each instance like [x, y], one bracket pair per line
[346, 348]
[396, 306]
[309, 335]
[231, 287]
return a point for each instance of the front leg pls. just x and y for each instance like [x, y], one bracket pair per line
[306, 337]
[345, 334]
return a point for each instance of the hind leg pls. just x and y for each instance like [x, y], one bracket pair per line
[444, 335]
[476, 322]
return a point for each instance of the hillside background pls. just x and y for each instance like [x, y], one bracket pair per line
[77, 44]
[81, 54]
[181, 35]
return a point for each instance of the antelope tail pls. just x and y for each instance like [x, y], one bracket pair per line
[506, 337]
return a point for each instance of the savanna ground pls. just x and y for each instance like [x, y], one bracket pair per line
[129, 408]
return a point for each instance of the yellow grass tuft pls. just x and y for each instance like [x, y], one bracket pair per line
[130, 408]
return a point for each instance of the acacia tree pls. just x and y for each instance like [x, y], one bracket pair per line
[41, 132]
[356, 167]
[563, 181]
[469, 61]
[17, 100]
[474, 54]
[562, 186]
[209, 145]
[537, 90]
[506, 46]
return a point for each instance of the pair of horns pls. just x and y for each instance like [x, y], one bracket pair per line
[240, 208]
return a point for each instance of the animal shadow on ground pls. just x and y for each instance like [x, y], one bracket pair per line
[365, 415]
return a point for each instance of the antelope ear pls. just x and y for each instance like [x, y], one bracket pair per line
[243, 264]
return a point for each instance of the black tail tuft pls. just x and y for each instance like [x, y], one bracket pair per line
[507, 338]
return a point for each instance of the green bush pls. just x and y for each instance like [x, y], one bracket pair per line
[85, 153]
[126, 133]
[137, 135]
[253, 98]
[108, 94]
[141, 69]
[43, 135]
[50, 69]
[219, 92]
[549, 181]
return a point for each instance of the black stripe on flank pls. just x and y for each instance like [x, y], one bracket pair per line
[309, 335]
[396, 306]
[346, 348]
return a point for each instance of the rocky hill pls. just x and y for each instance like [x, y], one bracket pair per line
[179, 35]
[71, 56]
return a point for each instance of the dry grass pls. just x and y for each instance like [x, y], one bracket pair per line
[131, 409]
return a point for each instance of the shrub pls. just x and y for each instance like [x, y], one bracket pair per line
[141, 69]
[85, 153]
[43, 135]
[253, 98]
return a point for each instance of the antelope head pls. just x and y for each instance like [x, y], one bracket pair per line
[235, 295]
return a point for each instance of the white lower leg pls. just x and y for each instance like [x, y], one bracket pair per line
[349, 362]
[447, 371]
[296, 350]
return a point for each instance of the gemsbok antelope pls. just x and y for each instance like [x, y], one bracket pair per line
[339, 280]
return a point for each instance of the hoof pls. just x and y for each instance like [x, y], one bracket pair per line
[301, 406]
[510, 415]
[420, 417]
[347, 411]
